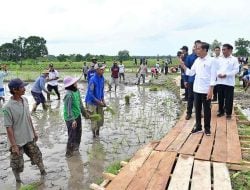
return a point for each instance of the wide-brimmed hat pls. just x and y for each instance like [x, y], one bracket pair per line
[45, 72]
[68, 81]
[16, 83]
[100, 66]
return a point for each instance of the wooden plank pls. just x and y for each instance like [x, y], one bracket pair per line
[191, 144]
[145, 173]
[201, 178]
[233, 142]
[182, 172]
[161, 176]
[206, 146]
[127, 173]
[171, 135]
[221, 177]
[220, 145]
[182, 137]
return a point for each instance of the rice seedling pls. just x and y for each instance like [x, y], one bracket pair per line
[127, 99]
[109, 109]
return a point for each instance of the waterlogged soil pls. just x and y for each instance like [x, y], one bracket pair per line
[148, 117]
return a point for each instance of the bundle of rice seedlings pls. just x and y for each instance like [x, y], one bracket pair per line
[95, 117]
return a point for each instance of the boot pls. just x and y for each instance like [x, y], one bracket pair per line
[17, 176]
[34, 108]
[45, 107]
[69, 151]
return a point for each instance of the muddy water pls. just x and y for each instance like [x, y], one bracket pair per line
[148, 117]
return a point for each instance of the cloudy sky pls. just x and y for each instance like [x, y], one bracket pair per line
[144, 27]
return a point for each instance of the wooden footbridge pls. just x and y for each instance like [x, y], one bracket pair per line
[181, 160]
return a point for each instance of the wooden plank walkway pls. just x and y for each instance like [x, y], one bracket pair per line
[182, 160]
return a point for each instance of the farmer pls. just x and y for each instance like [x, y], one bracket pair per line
[73, 108]
[121, 72]
[20, 130]
[85, 70]
[142, 72]
[114, 74]
[53, 82]
[37, 89]
[3, 73]
[95, 98]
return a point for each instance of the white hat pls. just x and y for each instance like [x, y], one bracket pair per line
[68, 81]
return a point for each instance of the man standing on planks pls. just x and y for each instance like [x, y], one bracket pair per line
[205, 79]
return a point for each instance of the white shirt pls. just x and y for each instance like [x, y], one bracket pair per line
[204, 70]
[230, 67]
[121, 68]
[53, 75]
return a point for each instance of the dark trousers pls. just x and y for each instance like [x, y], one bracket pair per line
[55, 88]
[74, 135]
[225, 98]
[215, 93]
[199, 101]
[190, 102]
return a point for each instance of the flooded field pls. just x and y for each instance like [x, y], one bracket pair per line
[148, 117]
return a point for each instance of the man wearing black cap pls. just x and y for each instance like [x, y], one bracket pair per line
[20, 130]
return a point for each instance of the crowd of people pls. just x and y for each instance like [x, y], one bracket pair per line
[207, 79]
[22, 136]
[203, 77]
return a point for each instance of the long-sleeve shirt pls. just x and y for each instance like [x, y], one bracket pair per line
[204, 70]
[95, 90]
[39, 84]
[91, 73]
[189, 61]
[73, 106]
[230, 67]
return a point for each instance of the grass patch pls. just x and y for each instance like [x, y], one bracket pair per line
[153, 88]
[240, 115]
[241, 180]
[32, 186]
[114, 168]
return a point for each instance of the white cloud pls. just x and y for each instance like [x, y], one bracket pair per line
[144, 27]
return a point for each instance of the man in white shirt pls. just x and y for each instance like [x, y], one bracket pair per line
[228, 68]
[52, 82]
[121, 71]
[204, 69]
[217, 56]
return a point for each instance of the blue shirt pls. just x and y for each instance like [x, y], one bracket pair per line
[189, 62]
[95, 89]
[90, 74]
[39, 84]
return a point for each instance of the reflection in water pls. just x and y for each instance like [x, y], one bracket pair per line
[96, 157]
[76, 169]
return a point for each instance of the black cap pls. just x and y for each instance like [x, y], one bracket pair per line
[184, 48]
[16, 83]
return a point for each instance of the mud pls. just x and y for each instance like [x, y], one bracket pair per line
[148, 117]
